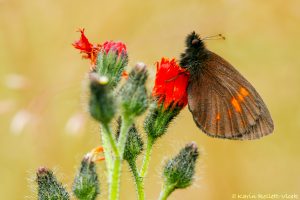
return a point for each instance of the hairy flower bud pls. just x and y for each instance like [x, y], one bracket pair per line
[159, 119]
[111, 62]
[133, 94]
[48, 186]
[86, 184]
[179, 171]
[134, 143]
[101, 105]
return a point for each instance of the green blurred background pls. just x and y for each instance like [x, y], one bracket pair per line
[44, 89]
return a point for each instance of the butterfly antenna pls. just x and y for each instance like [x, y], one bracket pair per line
[214, 37]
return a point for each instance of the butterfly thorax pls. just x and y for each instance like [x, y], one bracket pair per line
[195, 54]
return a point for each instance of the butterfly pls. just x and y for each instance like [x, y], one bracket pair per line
[223, 103]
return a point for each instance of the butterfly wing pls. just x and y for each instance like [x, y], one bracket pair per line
[224, 104]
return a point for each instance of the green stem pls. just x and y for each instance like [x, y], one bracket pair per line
[139, 181]
[111, 139]
[115, 184]
[116, 173]
[108, 143]
[126, 124]
[166, 191]
[147, 156]
[106, 146]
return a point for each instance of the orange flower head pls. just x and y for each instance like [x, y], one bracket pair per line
[170, 83]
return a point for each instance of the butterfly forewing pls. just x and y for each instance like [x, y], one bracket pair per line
[224, 104]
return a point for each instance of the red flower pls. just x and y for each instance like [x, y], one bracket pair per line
[170, 83]
[89, 50]
[119, 47]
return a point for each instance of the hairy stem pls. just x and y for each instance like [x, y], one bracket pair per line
[115, 178]
[109, 136]
[147, 156]
[139, 181]
[126, 124]
[116, 171]
[166, 191]
[106, 146]
[108, 143]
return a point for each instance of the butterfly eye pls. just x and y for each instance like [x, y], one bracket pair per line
[195, 41]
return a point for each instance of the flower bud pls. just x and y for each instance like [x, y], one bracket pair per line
[133, 94]
[179, 171]
[159, 118]
[134, 143]
[86, 184]
[48, 186]
[111, 61]
[102, 104]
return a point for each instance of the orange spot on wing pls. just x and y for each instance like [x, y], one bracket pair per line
[241, 98]
[244, 92]
[218, 117]
[236, 105]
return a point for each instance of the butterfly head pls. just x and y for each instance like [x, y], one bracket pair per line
[193, 41]
[195, 51]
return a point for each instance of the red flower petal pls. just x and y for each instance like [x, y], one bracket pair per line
[88, 50]
[119, 47]
[83, 43]
[170, 83]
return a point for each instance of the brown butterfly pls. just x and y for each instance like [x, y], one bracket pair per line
[223, 103]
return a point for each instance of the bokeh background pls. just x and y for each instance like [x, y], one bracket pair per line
[43, 89]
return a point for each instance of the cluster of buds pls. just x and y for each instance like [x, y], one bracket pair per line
[112, 99]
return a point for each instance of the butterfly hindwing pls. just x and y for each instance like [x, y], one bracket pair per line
[224, 104]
